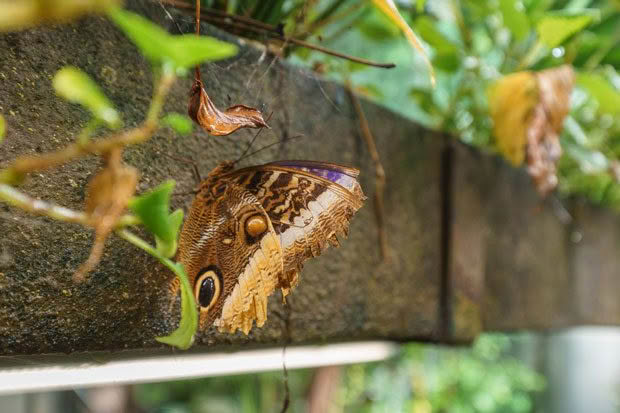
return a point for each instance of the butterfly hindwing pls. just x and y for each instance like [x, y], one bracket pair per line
[249, 231]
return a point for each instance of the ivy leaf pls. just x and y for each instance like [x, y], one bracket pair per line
[600, 89]
[183, 336]
[152, 209]
[554, 29]
[76, 86]
[180, 123]
[2, 128]
[157, 45]
[515, 18]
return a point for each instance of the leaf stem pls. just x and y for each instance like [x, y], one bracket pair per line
[183, 336]
[18, 199]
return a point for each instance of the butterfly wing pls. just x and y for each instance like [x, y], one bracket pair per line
[215, 237]
[308, 203]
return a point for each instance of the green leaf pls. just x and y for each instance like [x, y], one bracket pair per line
[600, 89]
[176, 220]
[555, 29]
[183, 336]
[157, 45]
[2, 128]
[168, 249]
[152, 209]
[515, 18]
[427, 29]
[76, 86]
[180, 123]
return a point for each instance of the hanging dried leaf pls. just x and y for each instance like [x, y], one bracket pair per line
[202, 110]
[107, 196]
[543, 134]
[528, 111]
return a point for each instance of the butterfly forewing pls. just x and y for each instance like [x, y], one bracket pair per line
[309, 203]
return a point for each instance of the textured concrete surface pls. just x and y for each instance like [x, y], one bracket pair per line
[346, 294]
[520, 262]
[472, 246]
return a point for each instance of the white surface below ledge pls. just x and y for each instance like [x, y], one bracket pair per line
[187, 366]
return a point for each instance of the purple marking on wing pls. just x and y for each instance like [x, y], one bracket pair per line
[337, 177]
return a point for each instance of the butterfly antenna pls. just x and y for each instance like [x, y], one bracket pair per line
[269, 146]
[253, 139]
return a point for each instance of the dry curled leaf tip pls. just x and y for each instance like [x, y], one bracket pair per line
[220, 123]
[107, 196]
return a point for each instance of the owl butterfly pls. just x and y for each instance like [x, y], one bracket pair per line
[249, 231]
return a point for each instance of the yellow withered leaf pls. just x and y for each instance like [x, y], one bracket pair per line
[511, 101]
[528, 111]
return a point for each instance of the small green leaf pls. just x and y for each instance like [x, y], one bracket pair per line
[176, 220]
[152, 209]
[515, 18]
[183, 336]
[554, 29]
[157, 45]
[2, 128]
[76, 86]
[180, 123]
[427, 29]
[168, 249]
[607, 96]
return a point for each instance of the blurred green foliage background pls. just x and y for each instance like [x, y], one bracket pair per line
[472, 43]
[422, 378]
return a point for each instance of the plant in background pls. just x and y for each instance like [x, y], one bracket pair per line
[111, 191]
[472, 45]
[425, 379]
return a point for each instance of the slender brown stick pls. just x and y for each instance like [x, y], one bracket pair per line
[379, 171]
[197, 68]
[245, 23]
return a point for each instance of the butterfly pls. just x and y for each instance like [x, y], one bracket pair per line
[249, 230]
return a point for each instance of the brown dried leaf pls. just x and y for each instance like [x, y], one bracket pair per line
[528, 111]
[107, 196]
[543, 134]
[202, 110]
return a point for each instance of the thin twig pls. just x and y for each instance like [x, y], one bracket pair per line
[251, 25]
[18, 199]
[379, 171]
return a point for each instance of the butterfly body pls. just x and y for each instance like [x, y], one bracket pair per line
[248, 232]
